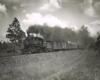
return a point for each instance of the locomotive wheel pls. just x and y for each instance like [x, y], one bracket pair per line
[33, 50]
[45, 50]
[40, 50]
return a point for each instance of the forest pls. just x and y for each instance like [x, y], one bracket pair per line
[16, 36]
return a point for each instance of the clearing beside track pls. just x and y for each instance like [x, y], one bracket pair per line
[62, 65]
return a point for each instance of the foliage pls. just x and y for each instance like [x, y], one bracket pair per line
[81, 37]
[97, 44]
[84, 37]
[15, 33]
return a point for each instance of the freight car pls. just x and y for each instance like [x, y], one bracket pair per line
[38, 44]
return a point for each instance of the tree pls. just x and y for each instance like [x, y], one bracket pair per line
[15, 33]
[97, 43]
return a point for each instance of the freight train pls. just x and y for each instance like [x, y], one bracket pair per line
[38, 45]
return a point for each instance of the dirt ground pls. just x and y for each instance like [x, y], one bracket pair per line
[62, 65]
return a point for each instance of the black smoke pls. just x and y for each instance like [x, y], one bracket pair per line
[81, 37]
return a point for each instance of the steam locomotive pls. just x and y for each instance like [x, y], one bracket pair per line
[34, 44]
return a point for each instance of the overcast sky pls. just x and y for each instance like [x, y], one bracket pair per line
[65, 13]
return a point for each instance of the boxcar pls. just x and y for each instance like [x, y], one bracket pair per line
[49, 46]
[59, 47]
[55, 46]
[67, 46]
[63, 44]
[73, 46]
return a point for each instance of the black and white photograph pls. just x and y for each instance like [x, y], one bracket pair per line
[49, 39]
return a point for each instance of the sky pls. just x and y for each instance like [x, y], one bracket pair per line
[64, 13]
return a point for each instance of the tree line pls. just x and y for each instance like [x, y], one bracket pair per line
[82, 37]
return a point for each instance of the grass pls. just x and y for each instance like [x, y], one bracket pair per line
[68, 65]
[89, 69]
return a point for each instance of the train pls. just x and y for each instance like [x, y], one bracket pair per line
[34, 44]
